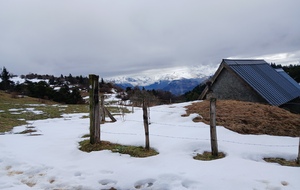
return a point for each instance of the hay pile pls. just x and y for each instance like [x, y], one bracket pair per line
[249, 118]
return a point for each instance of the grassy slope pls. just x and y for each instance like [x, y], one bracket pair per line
[49, 110]
[250, 118]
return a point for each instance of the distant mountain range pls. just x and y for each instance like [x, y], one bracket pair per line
[178, 81]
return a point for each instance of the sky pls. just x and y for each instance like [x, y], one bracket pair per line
[113, 38]
[50, 159]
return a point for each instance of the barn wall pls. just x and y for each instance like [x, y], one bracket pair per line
[227, 86]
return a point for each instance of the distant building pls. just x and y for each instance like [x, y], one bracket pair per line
[254, 81]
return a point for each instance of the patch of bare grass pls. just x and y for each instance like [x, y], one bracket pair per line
[249, 118]
[207, 156]
[12, 173]
[26, 131]
[283, 162]
[29, 183]
[133, 151]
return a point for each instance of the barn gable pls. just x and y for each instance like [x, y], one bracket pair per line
[252, 80]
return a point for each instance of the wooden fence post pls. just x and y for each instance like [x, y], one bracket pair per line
[94, 109]
[212, 110]
[298, 158]
[146, 124]
[213, 130]
[102, 113]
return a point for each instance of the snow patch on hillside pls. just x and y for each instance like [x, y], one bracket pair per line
[155, 76]
[19, 80]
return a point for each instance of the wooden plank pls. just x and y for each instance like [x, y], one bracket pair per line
[113, 119]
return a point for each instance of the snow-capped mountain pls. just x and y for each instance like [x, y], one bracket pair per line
[178, 80]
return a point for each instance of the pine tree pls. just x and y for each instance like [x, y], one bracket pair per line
[5, 84]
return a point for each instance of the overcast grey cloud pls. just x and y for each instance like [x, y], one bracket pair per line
[110, 37]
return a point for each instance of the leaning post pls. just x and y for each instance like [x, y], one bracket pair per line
[94, 109]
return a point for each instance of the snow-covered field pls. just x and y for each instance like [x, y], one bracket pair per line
[52, 160]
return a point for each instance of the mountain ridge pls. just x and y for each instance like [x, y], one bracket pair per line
[177, 81]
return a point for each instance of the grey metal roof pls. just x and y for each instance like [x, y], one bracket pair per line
[266, 81]
[244, 61]
[284, 74]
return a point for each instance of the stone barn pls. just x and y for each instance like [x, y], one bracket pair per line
[254, 81]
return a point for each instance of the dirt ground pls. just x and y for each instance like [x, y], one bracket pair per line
[249, 118]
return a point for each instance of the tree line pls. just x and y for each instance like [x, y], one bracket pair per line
[292, 70]
[43, 89]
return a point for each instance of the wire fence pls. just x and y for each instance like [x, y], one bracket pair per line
[193, 138]
[190, 138]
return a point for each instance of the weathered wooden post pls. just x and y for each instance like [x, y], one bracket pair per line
[106, 111]
[94, 109]
[102, 113]
[213, 130]
[298, 158]
[146, 124]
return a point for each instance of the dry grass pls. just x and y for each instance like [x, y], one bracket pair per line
[133, 151]
[283, 162]
[207, 156]
[249, 118]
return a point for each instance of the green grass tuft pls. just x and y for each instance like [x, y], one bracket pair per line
[133, 151]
